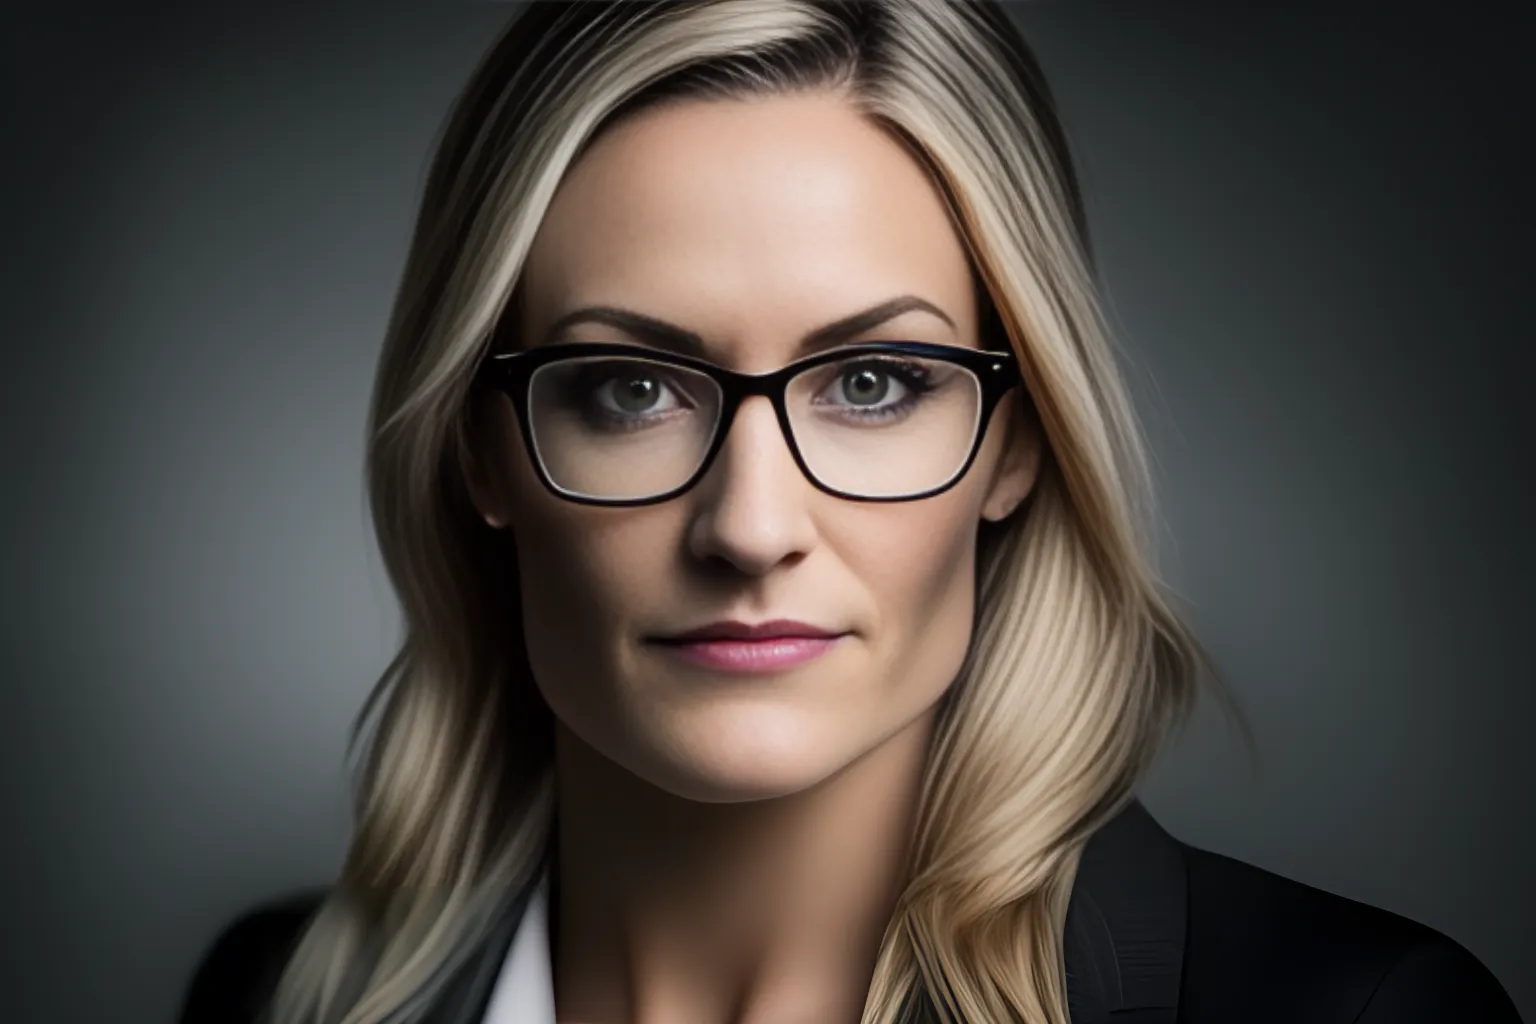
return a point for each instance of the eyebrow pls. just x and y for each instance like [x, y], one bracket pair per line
[663, 335]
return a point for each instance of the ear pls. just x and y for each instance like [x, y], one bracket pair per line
[482, 459]
[1018, 465]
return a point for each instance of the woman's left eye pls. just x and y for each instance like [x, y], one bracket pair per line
[867, 385]
[877, 383]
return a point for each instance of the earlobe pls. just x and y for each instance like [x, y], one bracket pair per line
[1000, 505]
[486, 491]
[1017, 470]
[483, 495]
[494, 517]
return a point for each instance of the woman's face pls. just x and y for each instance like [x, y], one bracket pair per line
[750, 224]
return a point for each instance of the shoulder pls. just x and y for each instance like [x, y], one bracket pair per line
[239, 971]
[1264, 948]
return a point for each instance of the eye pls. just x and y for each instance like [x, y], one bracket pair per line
[623, 387]
[633, 391]
[870, 385]
[865, 386]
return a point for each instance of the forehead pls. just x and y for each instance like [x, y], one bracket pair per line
[746, 221]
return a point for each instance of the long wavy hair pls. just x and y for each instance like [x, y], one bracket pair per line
[1078, 667]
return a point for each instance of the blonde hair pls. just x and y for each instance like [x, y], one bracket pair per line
[1078, 667]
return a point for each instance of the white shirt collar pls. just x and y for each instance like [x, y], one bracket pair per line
[525, 988]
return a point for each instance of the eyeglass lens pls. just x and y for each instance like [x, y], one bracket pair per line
[876, 425]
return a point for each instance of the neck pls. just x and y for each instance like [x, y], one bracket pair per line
[668, 909]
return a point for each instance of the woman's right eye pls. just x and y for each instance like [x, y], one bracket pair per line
[633, 392]
[622, 392]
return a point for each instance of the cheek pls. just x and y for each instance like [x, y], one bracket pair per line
[583, 574]
[917, 563]
[570, 566]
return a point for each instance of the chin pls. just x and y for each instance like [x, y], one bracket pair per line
[748, 754]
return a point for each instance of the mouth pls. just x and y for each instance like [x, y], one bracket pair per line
[748, 648]
[775, 629]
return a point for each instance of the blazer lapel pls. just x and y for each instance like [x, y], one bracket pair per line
[1124, 940]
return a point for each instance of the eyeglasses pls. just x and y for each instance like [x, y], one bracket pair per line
[622, 424]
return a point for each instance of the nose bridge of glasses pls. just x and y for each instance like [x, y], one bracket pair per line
[754, 465]
[756, 408]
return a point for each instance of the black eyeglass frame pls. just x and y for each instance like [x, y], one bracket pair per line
[511, 373]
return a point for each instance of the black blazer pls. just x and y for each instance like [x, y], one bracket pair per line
[1157, 932]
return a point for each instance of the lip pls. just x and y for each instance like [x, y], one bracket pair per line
[751, 648]
[733, 630]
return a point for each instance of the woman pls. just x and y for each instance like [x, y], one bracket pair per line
[771, 524]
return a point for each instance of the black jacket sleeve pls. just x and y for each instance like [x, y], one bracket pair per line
[1439, 982]
[237, 976]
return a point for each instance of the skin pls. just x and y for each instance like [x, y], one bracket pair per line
[730, 847]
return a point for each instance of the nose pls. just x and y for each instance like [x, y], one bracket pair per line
[751, 508]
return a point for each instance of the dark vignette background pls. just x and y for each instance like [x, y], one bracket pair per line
[1314, 229]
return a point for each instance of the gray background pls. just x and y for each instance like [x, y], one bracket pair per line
[1313, 224]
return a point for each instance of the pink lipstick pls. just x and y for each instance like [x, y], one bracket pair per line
[740, 647]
